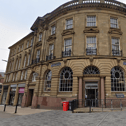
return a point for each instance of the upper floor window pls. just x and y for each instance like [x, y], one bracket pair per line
[16, 77]
[38, 54]
[22, 74]
[69, 23]
[91, 46]
[114, 23]
[67, 47]
[29, 59]
[34, 75]
[19, 63]
[51, 48]
[22, 46]
[13, 76]
[53, 30]
[25, 77]
[25, 60]
[115, 46]
[15, 51]
[40, 37]
[91, 21]
[16, 64]
[27, 44]
[32, 41]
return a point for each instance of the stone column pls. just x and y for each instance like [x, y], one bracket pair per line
[16, 96]
[102, 89]
[1, 96]
[8, 96]
[80, 92]
[35, 95]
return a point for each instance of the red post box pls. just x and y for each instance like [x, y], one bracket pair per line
[65, 105]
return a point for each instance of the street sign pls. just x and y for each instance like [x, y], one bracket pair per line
[120, 95]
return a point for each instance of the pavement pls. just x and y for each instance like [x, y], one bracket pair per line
[61, 118]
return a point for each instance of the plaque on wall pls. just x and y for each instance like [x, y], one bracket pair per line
[120, 95]
[124, 63]
[56, 64]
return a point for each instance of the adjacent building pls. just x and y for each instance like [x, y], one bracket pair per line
[78, 51]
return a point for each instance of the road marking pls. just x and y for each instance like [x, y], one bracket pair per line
[103, 119]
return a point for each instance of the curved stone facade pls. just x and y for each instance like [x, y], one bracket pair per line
[76, 37]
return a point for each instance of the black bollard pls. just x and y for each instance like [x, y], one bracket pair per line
[4, 107]
[16, 108]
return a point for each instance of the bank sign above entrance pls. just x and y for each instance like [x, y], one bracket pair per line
[56, 64]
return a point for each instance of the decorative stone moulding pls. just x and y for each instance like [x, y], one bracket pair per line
[118, 60]
[38, 44]
[68, 32]
[115, 31]
[52, 37]
[91, 30]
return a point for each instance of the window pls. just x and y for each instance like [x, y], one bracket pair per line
[91, 70]
[115, 47]
[22, 46]
[19, 63]
[25, 77]
[47, 84]
[117, 79]
[27, 44]
[38, 54]
[32, 41]
[34, 75]
[25, 60]
[51, 48]
[15, 50]
[16, 77]
[22, 74]
[12, 65]
[66, 80]
[29, 59]
[13, 76]
[40, 37]
[67, 47]
[91, 21]
[53, 30]
[91, 46]
[114, 22]
[69, 23]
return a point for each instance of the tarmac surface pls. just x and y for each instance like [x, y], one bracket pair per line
[61, 118]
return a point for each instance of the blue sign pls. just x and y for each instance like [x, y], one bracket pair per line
[124, 63]
[56, 64]
[120, 95]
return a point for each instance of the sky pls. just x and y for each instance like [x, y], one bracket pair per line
[16, 19]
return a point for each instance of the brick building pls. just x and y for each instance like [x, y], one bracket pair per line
[78, 51]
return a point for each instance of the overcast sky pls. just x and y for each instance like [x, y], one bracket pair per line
[16, 18]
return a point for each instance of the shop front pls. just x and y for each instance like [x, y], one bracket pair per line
[12, 94]
[20, 93]
[5, 90]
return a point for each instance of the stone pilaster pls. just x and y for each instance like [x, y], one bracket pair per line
[75, 86]
[16, 97]
[54, 85]
[8, 96]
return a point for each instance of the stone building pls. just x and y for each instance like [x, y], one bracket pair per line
[78, 51]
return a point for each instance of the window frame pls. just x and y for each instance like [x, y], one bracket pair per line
[53, 31]
[117, 25]
[90, 21]
[66, 24]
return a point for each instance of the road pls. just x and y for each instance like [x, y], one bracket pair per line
[60, 118]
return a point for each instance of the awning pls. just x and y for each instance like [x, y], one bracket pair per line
[21, 85]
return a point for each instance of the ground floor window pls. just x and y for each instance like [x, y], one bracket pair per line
[66, 80]
[117, 79]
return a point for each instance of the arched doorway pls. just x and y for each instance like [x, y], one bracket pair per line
[91, 86]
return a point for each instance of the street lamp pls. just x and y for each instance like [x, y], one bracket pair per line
[4, 60]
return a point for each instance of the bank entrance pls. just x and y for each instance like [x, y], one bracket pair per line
[91, 94]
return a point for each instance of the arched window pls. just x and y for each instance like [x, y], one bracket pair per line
[34, 75]
[91, 70]
[117, 79]
[66, 80]
[47, 84]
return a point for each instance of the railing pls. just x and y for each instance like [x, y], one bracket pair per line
[85, 2]
[37, 60]
[100, 104]
[66, 53]
[116, 53]
[91, 51]
[50, 57]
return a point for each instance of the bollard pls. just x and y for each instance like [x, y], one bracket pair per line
[90, 106]
[16, 108]
[4, 107]
[121, 104]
